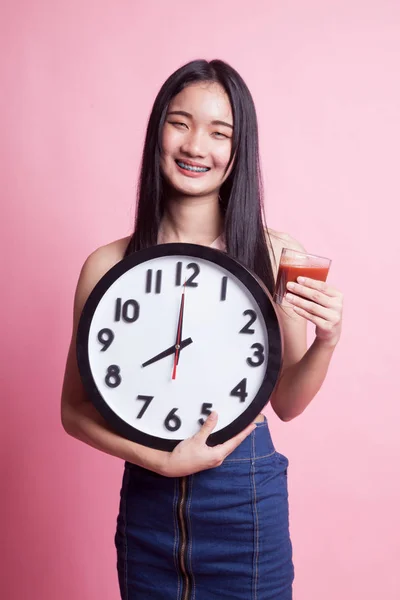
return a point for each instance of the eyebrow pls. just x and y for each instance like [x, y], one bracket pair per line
[183, 113]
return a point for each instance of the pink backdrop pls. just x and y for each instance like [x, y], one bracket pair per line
[77, 83]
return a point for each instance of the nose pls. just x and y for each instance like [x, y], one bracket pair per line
[194, 144]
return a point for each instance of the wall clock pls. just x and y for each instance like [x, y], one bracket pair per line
[171, 333]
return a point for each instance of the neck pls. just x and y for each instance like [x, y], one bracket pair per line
[196, 220]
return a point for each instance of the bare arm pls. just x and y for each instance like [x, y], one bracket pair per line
[79, 417]
[301, 381]
[304, 371]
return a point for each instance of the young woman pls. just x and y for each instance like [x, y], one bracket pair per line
[200, 522]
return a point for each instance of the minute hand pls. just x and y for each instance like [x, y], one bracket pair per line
[168, 352]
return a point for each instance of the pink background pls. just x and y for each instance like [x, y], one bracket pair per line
[77, 83]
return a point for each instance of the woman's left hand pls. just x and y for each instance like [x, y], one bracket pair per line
[320, 304]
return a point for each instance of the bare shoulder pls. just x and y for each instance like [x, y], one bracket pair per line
[108, 255]
[95, 266]
[284, 240]
[103, 258]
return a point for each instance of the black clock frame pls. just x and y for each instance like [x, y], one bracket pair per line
[259, 292]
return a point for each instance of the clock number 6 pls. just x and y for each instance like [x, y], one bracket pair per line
[113, 377]
[172, 421]
[258, 354]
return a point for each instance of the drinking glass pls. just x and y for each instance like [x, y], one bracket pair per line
[294, 264]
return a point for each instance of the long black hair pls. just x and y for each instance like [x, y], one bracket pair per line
[241, 195]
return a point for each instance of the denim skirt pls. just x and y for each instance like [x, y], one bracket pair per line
[220, 533]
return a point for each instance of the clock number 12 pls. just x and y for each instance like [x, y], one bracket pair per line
[190, 282]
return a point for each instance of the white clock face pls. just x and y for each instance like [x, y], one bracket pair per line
[224, 347]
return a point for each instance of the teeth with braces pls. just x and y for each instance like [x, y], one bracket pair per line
[190, 168]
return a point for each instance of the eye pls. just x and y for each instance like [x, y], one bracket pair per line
[177, 123]
[220, 135]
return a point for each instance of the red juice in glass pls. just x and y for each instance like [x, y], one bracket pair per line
[294, 264]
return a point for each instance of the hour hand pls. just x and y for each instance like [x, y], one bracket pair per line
[168, 352]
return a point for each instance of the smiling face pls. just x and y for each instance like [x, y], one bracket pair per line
[197, 140]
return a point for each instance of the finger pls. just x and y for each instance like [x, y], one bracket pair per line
[322, 286]
[318, 321]
[207, 426]
[313, 294]
[230, 445]
[309, 306]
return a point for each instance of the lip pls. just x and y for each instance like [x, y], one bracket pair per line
[191, 174]
[191, 163]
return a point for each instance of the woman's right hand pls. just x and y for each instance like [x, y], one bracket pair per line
[193, 454]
